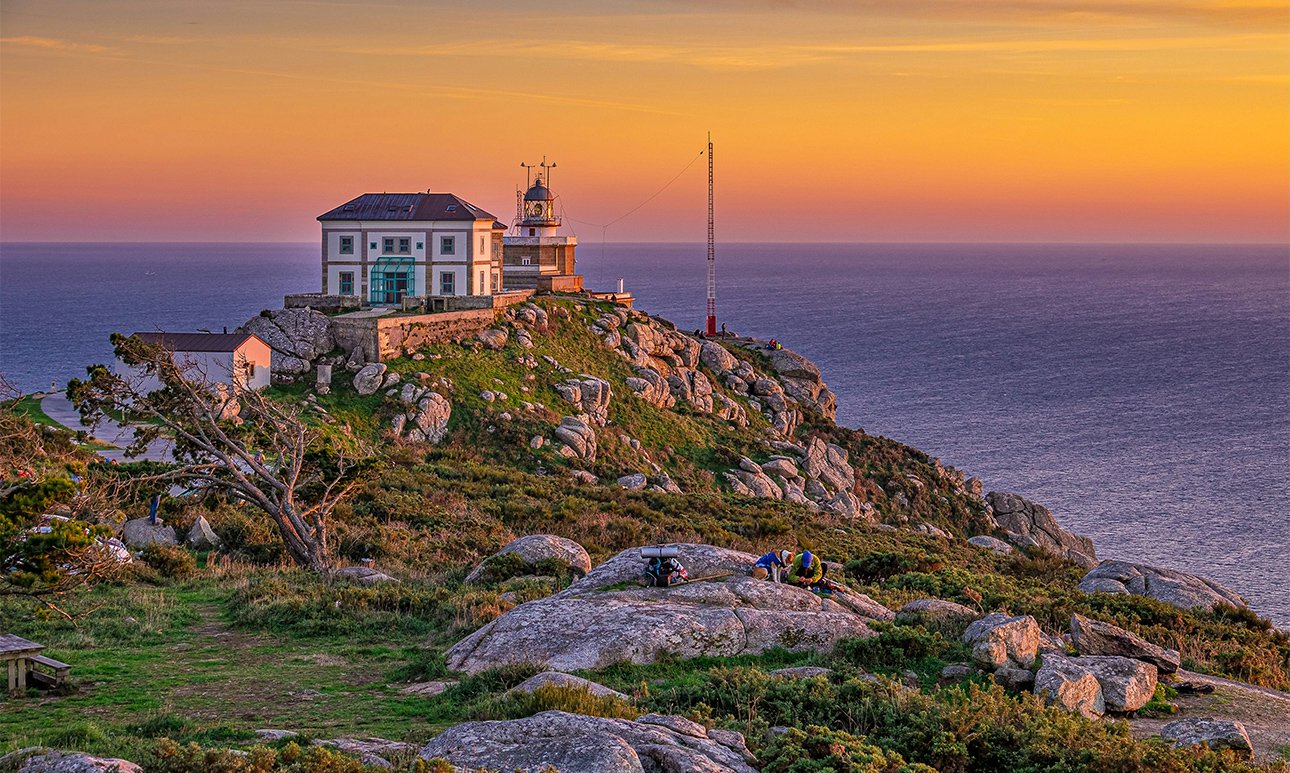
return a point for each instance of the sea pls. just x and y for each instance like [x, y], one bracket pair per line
[1140, 392]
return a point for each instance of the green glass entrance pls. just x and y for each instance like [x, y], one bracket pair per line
[390, 280]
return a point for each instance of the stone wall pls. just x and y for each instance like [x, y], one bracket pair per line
[327, 304]
[385, 338]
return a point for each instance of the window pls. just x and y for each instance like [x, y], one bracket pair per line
[346, 283]
[387, 244]
[481, 283]
[494, 283]
[532, 232]
[405, 246]
[526, 261]
[421, 245]
[447, 283]
[447, 245]
[346, 245]
[372, 246]
[481, 246]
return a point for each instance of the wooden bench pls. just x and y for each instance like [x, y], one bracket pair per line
[56, 679]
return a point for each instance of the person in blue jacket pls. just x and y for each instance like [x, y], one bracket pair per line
[772, 565]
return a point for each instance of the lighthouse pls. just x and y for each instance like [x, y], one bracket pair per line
[536, 254]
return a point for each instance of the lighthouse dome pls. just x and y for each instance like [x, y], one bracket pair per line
[539, 192]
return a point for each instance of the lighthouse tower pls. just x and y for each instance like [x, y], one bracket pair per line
[535, 255]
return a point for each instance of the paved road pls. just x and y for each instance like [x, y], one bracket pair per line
[57, 407]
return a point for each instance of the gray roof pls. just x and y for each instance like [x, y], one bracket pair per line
[197, 342]
[12, 644]
[407, 206]
[539, 192]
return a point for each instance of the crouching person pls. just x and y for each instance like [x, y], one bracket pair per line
[662, 569]
[772, 566]
[806, 570]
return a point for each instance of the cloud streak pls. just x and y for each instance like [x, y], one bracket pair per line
[54, 44]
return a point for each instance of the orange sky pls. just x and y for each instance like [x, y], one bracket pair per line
[835, 120]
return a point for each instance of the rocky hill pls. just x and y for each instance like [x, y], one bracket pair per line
[495, 602]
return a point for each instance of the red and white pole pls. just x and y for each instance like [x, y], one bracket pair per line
[712, 253]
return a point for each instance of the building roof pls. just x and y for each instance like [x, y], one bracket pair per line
[198, 342]
[539, 192]
[407, 206]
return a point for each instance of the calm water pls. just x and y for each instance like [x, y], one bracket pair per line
[1142, 393]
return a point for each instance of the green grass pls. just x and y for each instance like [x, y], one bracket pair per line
[29, 406]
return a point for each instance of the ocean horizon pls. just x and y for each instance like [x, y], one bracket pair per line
[1141, 392]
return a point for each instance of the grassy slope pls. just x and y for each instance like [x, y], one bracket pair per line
[214, 657]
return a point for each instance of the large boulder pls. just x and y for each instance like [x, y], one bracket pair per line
[493, 338]
[607, 617]
[555, 740]
[429, 421]
[297, 337]
[1217, 734]
[201, 536]
[1125, 684]
[369, 378]
[717, 358]
[937, 612]
[1094, 637]
[561, 679]
[650, 386]
[992, 543]
[533, 550]
[138, 533]
[38, 760]
[1069, 687]
[998, 640]
[1186, 591]
[1031, 525]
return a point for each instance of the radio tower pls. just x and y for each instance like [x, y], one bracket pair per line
[712, 253]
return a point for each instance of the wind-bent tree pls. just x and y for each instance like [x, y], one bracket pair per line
[236, 441]
[47, 551]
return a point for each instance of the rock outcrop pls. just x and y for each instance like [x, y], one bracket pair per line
[297, 337]
[423, 415]
[1094, 637]
[1217, 734]
[998, 641]
[492, 338]
[138, 533]
[577, 438]
[363, 575]
[607, 618]
[590, 395]
[1185, 591]
[802, 381]
[532, 551]
[38, 760]
[573, 742]
[1031, 525]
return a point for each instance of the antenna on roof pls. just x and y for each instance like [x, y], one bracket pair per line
[528, 172]
[548, 168]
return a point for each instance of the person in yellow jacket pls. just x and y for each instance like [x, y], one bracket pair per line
[806, 569]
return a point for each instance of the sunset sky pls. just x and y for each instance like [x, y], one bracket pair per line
[834, 120]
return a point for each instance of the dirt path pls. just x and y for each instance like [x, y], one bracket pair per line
[1265, 713]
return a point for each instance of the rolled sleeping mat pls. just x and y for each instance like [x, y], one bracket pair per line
[660, 551]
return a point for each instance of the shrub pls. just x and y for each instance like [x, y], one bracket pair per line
[170, 561]
[830, 751]
[575, 700]
[881, 565]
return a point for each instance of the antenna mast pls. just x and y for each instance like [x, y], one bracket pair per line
[712, 253]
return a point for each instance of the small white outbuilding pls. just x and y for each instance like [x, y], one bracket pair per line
[238, 359]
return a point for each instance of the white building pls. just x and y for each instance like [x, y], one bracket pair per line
[381, 247]
[237, 359]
